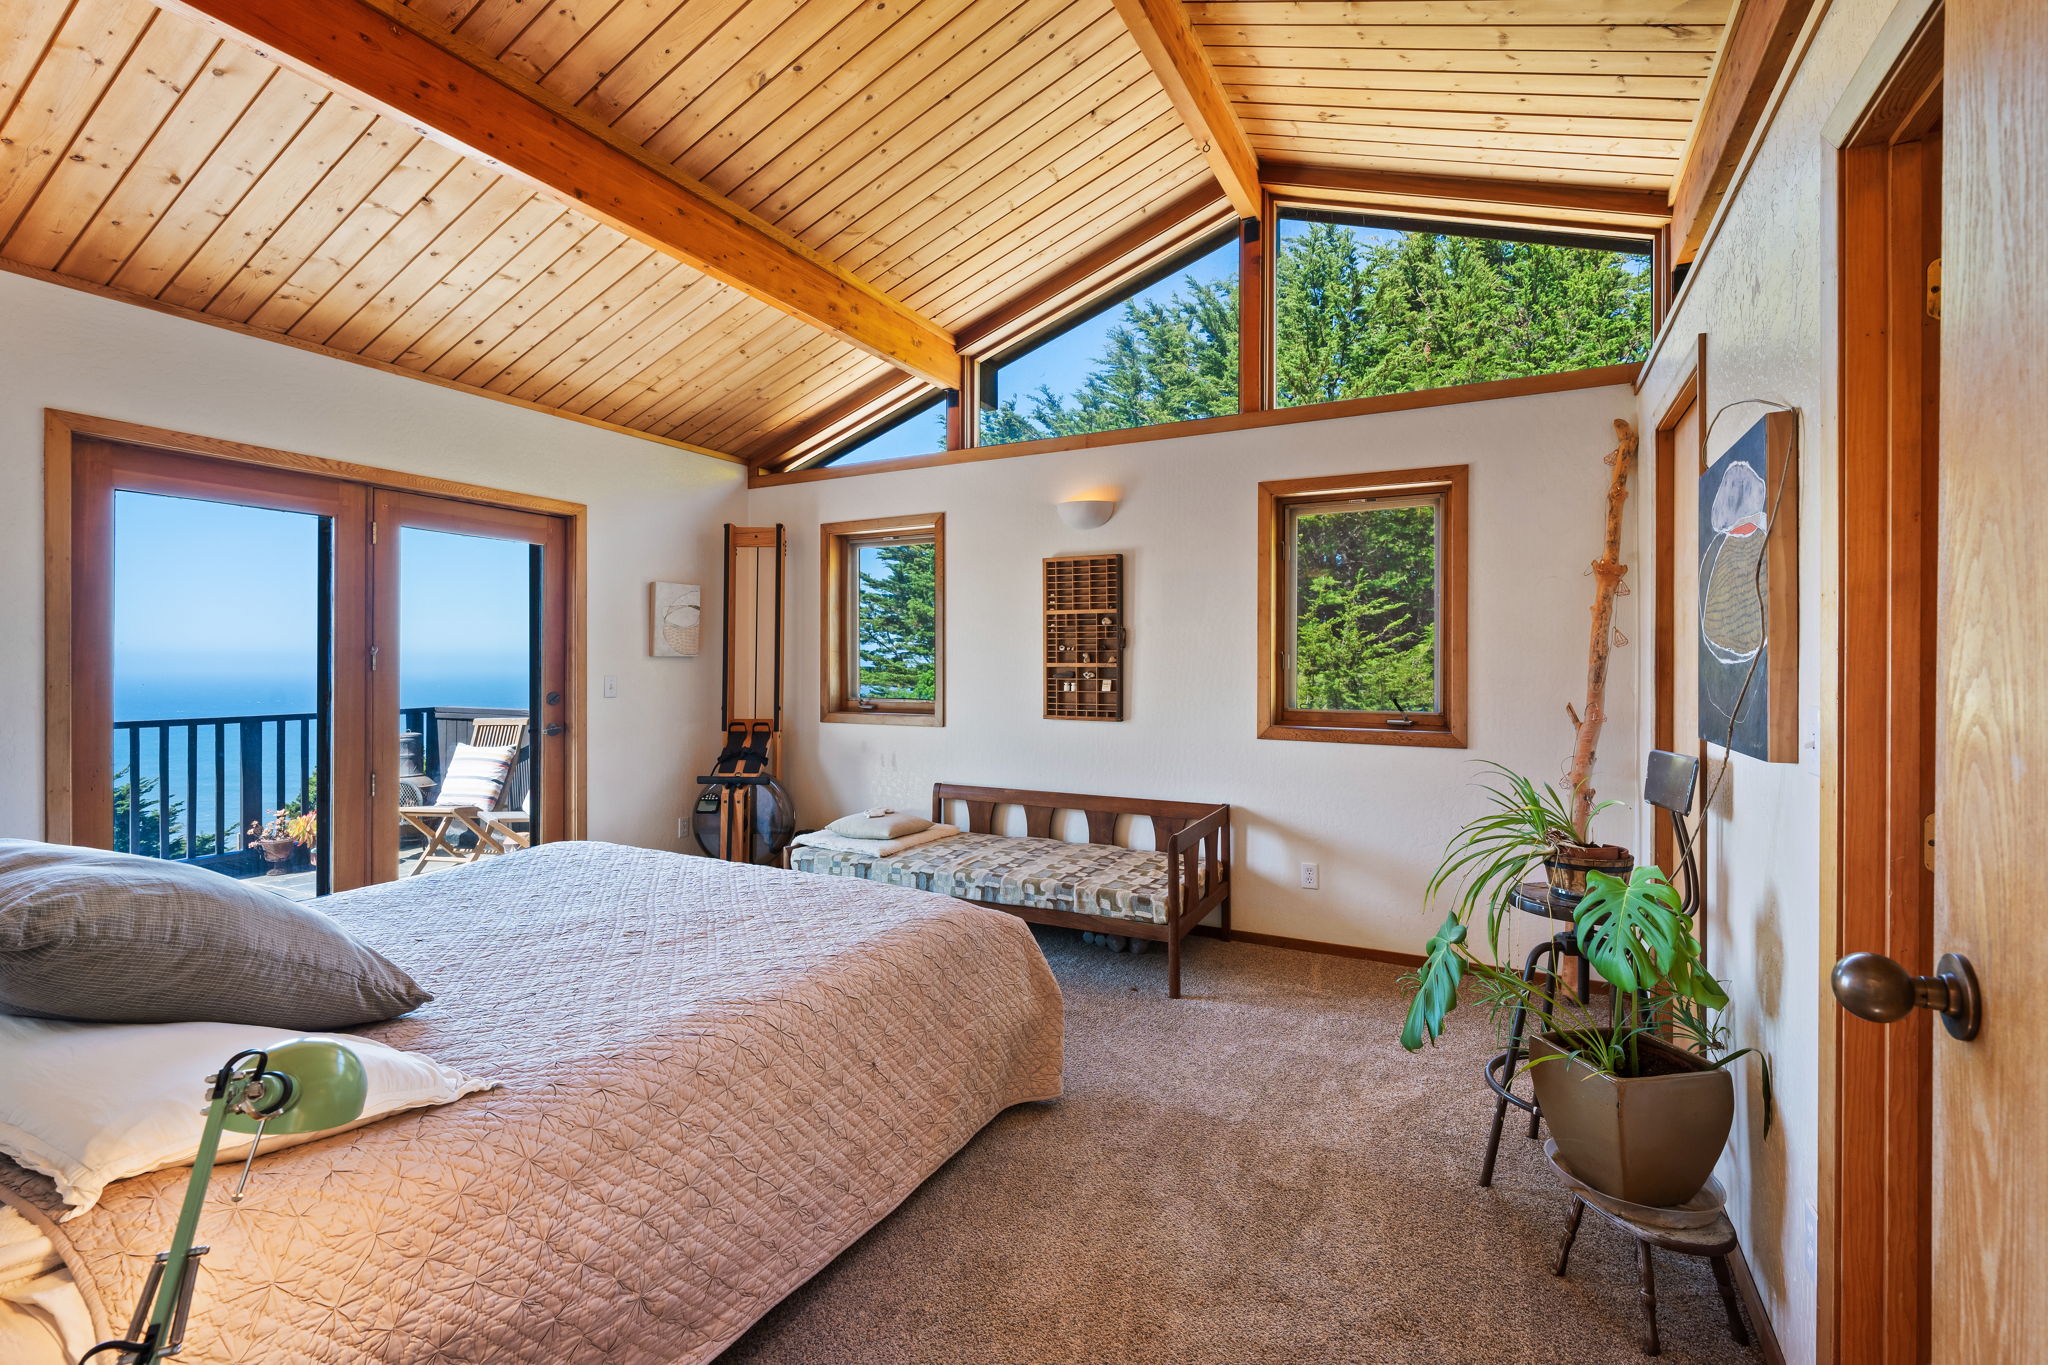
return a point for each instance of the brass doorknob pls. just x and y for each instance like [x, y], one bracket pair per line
[1872, 986]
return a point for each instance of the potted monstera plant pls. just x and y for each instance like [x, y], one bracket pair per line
[1636, 1090]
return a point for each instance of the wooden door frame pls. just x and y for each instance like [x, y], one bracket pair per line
[1878, 768]
[1689, 396]
[393, 511]
[63, 432]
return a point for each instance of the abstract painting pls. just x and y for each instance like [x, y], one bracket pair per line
[1749, 593]
[677, 612]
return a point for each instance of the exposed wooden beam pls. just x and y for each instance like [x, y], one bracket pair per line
[1758, 41]
[1182, 65]
[386, 55]
[1649, 206]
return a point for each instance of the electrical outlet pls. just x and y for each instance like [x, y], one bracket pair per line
[611, 685]
[1311, 877]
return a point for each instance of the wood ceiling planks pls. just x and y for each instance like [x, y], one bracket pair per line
[1550, 91]
[955, 154]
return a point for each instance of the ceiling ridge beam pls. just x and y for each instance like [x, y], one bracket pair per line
[380, 52]
[1182, 64]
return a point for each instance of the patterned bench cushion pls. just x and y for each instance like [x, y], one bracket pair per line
[1049, 874]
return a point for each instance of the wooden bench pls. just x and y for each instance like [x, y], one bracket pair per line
[1193, 837]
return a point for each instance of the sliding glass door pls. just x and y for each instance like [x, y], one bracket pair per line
[306, 679]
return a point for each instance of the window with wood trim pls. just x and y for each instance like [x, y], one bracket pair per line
[1366, 306]
[883, 598]
[1163, 349]
[1362, 608]
[921, 430]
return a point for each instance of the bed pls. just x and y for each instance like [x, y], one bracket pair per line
[1098, 885]
[713, 1078]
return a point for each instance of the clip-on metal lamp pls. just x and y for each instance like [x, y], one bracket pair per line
[302, 1086]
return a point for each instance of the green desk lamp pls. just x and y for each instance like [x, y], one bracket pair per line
[301, 1086]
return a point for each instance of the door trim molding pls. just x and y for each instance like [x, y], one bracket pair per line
[62, 430]
[1877, 769]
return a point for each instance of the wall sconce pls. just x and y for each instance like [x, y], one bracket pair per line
[1085, 514]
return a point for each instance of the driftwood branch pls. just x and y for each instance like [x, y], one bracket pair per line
[1608, 571]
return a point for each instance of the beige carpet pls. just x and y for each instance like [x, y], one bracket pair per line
[1254, 1173]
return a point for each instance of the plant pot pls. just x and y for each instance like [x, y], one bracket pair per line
[277, 852]
[1568, 865]
[1648, 1139]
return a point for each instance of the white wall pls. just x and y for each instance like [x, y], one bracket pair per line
[655, 513]
[1375, 817]
[1764, 295]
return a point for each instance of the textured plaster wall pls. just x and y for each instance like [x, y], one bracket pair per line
[1374, 817]
[1764, 295]
[655, 513]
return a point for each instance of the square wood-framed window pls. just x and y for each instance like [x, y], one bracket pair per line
[1362, 608]
[883, 606]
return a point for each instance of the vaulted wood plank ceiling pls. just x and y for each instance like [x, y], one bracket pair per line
[954, 155]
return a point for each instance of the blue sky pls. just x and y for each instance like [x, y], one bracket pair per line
[1062, 361]
[216, 612]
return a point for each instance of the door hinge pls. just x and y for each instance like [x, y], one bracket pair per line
[373, 533]
[373, 658]
[373, 784]
[1927, 841]
[1934, 289]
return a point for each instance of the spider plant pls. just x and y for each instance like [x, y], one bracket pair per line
[1495, 851]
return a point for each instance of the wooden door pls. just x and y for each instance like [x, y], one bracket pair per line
[524, 561]
[1990, 1300]
[265, 759]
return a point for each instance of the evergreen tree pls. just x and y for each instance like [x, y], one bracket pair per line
[150, 840]
[899, 628]
[1365, 610]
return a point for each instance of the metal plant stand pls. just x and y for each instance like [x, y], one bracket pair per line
[1532, 898]
[1700, 1227]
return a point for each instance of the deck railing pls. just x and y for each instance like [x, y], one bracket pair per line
[189, 789]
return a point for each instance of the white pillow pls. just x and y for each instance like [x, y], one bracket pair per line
[879, 823]
[476, 775]
[89, 1104]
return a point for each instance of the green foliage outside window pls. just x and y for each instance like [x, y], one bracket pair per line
[1355, 317]
[898, 606]
[1365, 609]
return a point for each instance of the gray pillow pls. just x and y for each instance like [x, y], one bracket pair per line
[113, 938]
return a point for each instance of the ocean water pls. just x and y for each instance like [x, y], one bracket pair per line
[155, 695]
[178, 760]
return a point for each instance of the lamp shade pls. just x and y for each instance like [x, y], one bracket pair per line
[1085, 514]
[327, 1089]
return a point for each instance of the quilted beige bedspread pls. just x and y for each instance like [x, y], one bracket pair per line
[713, 1078]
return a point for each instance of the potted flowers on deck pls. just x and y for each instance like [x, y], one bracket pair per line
[288, 830]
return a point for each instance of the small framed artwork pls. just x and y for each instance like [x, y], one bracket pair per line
[1749, 593]
[676, 612]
